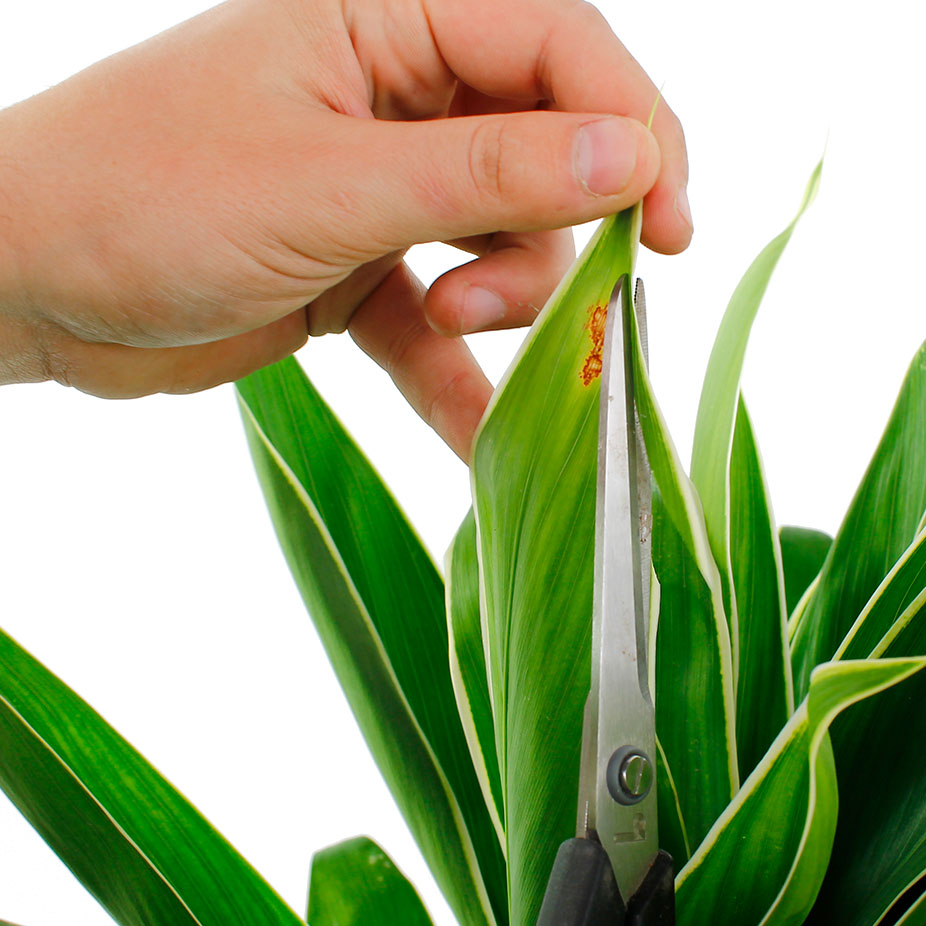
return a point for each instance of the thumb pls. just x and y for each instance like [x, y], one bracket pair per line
[456, 177]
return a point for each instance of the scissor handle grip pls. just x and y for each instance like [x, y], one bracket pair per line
[582, 891]
[654, 902]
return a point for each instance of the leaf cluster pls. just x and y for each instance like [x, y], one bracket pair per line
[783, 661]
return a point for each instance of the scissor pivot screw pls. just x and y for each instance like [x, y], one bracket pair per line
[629, 775]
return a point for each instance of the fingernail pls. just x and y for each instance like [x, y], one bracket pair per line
[606, 156]
[481, 309]
[682, 206]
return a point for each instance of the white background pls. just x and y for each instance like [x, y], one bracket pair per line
[136, 557]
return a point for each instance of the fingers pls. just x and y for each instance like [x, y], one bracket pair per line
[504, 288]
[451, 178]
[566, 53]
[438, 375]
[115, 371]
[667, 222]
[330, 312]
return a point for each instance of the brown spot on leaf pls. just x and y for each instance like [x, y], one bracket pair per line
[597, 316]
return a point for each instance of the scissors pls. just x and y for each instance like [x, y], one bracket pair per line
[613, 873]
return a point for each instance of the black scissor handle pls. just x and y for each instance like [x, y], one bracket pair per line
[582, 891]
[654, 902]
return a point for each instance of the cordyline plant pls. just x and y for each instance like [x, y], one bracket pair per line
[785, 663]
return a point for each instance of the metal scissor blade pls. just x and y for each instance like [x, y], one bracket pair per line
[617, 794]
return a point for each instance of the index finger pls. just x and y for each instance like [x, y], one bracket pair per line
[564, 52]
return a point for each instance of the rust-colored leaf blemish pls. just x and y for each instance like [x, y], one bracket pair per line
[597, 316]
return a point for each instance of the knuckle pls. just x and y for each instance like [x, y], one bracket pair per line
[491, 158]
[441, 403]
[669, 131]
[298, 340]
[443, 306]
[54, 362]
[400, 347]
[323, 317]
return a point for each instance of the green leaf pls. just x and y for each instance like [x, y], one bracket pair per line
[534, 469]
[902, 587]
[797, 615]
[765, 858]
[694, 703]
[880, 845]
[695, 707]
[878, 527]
[534, 463]
[908, 635]
[764, 691]
[354, 883]
[378, 604]
[710, 459]
[468, 665]
[803, 551]
[130, 838]
[673, 836]
[916, 914]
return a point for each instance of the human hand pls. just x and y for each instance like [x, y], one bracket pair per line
[186, 211]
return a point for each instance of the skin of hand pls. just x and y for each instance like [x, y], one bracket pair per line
[189, 210]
